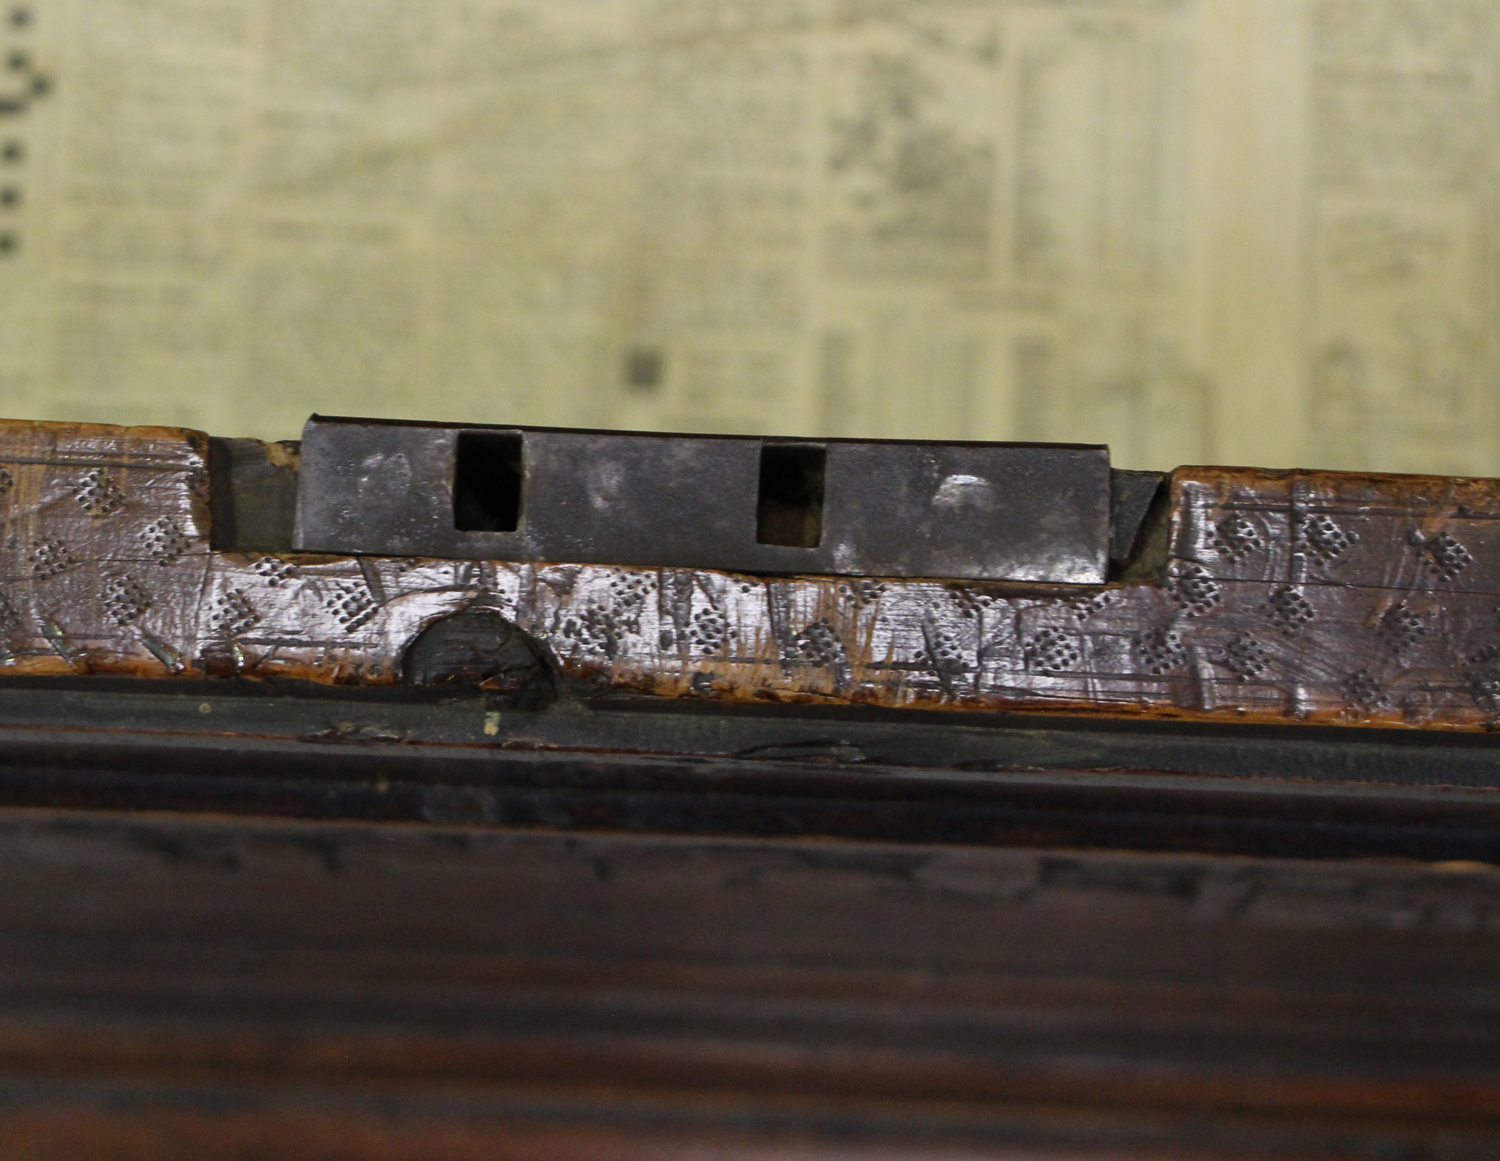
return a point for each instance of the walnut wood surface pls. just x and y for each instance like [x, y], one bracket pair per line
[228, 989]
[200, 986]
[1286, 596]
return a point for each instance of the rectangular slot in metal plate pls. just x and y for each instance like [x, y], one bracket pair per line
[996, 511]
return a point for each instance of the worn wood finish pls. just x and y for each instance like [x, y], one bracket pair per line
[885, 972]
[1281, 596]
[217, 988]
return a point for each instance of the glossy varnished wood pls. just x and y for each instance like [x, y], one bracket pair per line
[244, 916]
[1265, 596]
[220, 989]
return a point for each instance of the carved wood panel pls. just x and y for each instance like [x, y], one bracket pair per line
[1287, 596]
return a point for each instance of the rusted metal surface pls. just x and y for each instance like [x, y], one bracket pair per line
[1276, 596]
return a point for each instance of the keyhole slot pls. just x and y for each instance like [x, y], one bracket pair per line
[789, 506]
[487, 481]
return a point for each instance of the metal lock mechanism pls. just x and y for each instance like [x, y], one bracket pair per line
[1038, 513]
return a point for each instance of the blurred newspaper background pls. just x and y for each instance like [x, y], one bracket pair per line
[1239, 231]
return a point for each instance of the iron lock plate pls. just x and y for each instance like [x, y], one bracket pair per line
[985, 511]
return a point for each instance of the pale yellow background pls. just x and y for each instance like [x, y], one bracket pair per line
[1240, 231]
